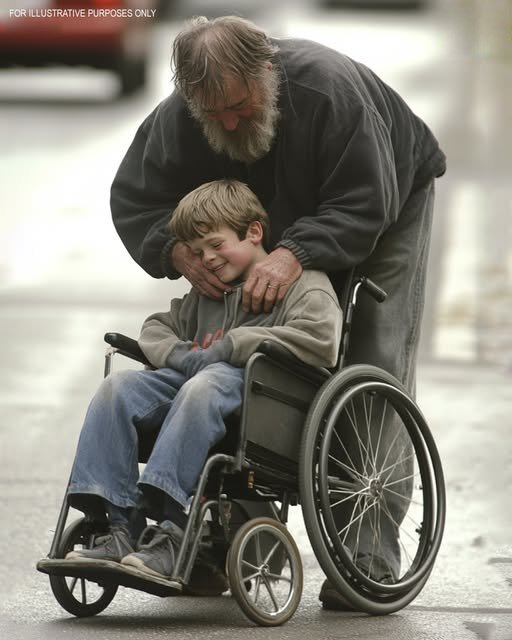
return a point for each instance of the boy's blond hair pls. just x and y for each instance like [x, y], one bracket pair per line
[215, 204]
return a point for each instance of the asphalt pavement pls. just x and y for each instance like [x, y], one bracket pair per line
[65, 280]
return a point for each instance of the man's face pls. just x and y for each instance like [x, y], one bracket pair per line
[243, 124]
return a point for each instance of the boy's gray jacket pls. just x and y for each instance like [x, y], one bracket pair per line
[307, 322]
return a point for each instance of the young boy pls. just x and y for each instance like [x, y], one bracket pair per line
[199, 349]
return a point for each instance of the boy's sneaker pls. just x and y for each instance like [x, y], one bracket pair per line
[112, 546]
[156, 550]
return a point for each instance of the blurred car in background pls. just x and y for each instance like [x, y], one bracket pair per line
[103, 34]
[376, 4]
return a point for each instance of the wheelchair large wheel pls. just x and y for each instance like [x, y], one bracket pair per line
[78, 596]
[265, 571]
[371, 489]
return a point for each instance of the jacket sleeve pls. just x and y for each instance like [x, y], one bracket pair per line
[159, 168]
[310, 329]
[357, 191]
[162, 332]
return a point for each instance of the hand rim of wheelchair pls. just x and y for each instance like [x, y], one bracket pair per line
[73, 534]
[240, 588]
[363, 592]
[423, 562]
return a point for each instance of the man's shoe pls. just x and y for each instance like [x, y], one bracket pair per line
[156, 550]
[206, 579]
[332, 599]
[112, 546]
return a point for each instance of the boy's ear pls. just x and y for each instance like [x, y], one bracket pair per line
[255, 232]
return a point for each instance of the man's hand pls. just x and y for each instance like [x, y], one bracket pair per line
[191, 266]
[269, 280]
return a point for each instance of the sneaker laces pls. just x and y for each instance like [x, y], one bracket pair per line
[102, 540]
[108, 537]
[156, 536]
[147, 536]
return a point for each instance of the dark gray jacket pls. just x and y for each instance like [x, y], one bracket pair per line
[347, 155]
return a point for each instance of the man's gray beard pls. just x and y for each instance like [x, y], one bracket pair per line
[253, 137]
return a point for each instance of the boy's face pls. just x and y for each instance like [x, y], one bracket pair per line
[228, 257]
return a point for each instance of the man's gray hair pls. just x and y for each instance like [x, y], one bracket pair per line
[205, 51]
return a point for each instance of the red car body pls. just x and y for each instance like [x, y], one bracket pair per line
[105, 34]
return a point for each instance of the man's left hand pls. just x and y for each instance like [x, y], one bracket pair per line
[269, 281]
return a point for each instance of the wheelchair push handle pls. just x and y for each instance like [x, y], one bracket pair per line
[373, 289]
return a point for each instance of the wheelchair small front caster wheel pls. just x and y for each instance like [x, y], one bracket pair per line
[265, 571]
[80, 597]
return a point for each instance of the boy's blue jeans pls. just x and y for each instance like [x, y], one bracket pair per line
[185, 416]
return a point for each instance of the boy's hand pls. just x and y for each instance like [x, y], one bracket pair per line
[192, 267]
[269, 281]
[195, 360]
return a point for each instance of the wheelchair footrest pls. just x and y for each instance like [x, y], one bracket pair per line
[107, 573]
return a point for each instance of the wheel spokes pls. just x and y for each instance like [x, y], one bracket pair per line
[270, 563]
[83, 591]
[378, 498]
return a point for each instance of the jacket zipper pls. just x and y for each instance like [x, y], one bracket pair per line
[230, 306]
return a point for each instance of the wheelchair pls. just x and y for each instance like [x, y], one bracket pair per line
[349, 445]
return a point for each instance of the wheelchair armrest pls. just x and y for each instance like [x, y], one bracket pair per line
[284, 357]
[127, 347]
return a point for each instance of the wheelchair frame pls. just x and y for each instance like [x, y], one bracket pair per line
[289, 464]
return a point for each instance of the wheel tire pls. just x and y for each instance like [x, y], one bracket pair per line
[269, 541]
[366, 486]
[79, 533]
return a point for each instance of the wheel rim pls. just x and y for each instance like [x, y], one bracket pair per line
[364, 594]
[375, 489]
[83, 592]
[268, 569]
[78, 595]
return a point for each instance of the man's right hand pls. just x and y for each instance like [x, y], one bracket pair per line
[192, 267]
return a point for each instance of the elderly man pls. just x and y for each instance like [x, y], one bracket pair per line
[342, 165]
